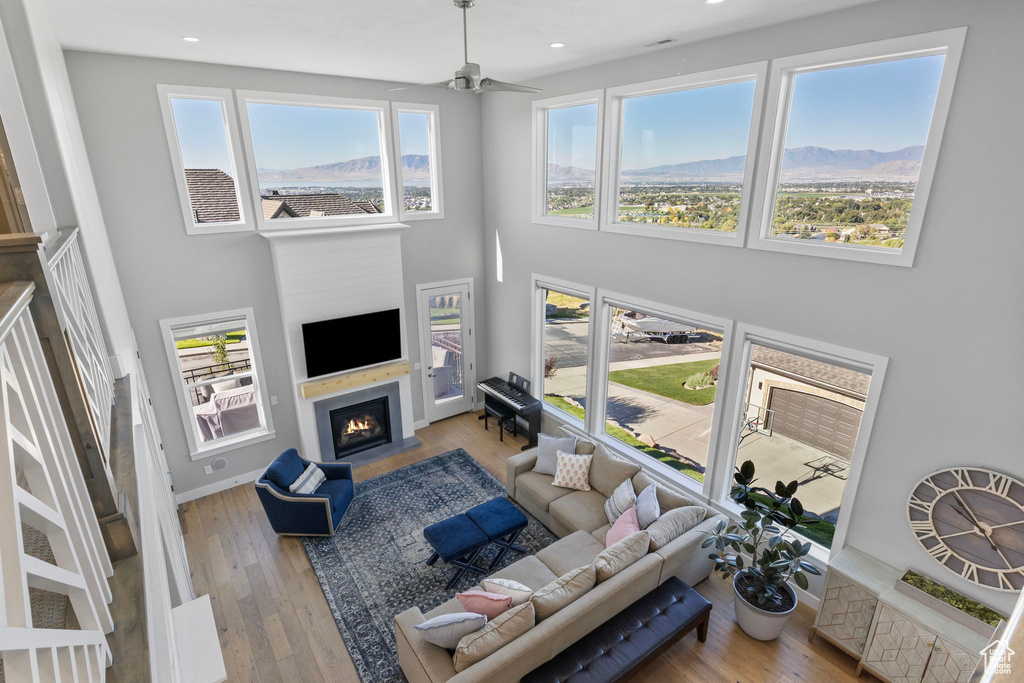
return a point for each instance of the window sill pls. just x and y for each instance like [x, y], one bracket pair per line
[819, 554]
[424, 216]
[863, 254]
[232, 443]
[728, 239]
[579, 223]
[217, 228]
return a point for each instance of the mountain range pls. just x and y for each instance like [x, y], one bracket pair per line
[414, 167]
[800, 163]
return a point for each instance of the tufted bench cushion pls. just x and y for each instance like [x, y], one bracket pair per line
[632, 638]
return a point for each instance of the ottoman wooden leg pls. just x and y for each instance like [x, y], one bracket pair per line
[702, 627]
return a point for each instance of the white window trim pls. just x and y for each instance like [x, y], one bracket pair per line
[540, 158]
[597, 416]
[382, 109]
[739, 365]
[224, 96]
[432, 111]
[197, 450]
[614, 98]
[539, 283]
[776, 122]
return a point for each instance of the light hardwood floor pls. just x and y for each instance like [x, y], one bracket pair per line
[275, 625]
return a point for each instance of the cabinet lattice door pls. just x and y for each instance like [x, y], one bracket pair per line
[899, 647]
[950, 664]
[845, 613]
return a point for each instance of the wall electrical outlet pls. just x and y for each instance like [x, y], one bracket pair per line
[208, 469]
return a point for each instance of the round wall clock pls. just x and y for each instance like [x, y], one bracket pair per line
[971, 520]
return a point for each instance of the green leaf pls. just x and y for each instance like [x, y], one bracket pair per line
[774, 541]
[810, 568]
[796, 507]
[791, 488]
[749, 548]
[708, 542]
[780, 490]
[779, 564]
[747, 469]
[801, 580]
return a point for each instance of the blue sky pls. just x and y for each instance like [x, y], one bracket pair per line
[572, 136]
[286, 136]
[885, 106]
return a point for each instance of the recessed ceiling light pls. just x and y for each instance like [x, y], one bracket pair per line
[712, 2]
[557, 44]
[190, 39]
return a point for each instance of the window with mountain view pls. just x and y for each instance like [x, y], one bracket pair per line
[683, 156]
[204, 146]
[417, 140]
[852, 152]
[569, 186]
[318, 161]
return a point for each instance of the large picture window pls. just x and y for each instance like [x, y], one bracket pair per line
[420, 167]
[564, 326]
[568, 150]
[681, 163]
[216, 361]
[854, 136]
[318, 161]
[206, 155]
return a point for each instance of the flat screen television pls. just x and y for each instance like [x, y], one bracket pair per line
[353, 342]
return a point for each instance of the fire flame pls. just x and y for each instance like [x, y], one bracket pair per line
[361, 425]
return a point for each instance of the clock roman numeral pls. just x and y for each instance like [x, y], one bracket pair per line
[919, 505]
[999, 485]
[940, 552]
[1004, 583]
[970, 572]
[963, 478]
[935, 487]
[922, 528]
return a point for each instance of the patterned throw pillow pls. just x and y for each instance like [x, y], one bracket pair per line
[625, 525]
[573, 471]
[515, 590]
[309, 480]
[547, 452]
[647, 508]
[622, 499]
[446, 630]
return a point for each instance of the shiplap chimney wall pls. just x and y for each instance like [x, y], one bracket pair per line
[333, 273]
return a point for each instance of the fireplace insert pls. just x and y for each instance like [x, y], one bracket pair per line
[361, 426]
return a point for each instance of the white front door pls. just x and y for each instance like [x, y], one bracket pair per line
[447, 351]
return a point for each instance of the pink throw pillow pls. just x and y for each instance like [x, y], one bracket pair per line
[625, 525]
[481, 602]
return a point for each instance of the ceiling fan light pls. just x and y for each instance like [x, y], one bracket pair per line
[557, 44]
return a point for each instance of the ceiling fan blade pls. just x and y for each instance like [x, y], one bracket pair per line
[491, 85]
[443, 84]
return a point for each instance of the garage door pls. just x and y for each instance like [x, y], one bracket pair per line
[827, 425]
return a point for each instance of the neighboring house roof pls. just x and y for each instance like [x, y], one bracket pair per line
[212, 195]
[302, 205]
[816, 371]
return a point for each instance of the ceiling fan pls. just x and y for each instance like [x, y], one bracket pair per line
[468, 77]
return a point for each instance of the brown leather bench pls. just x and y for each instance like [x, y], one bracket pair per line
[634, 637]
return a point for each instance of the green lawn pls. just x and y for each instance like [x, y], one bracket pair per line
[667, 380]
[232, 338]
[580, 211]
[445, 316]
[630, 440]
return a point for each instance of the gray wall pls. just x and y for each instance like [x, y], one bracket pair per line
[951, 324]
[166, 273]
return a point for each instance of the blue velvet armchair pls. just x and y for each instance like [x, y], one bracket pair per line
[309, 514]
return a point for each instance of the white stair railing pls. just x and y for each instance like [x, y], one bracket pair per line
[73, 298]
[35, 442]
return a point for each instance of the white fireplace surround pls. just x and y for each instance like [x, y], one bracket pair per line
[330, 273]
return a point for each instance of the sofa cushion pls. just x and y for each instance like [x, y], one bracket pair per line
[547, 451]
[575, 550]
[607, 471]
[621, 555]
[573, 471]
[624, 526]
[563, 591]
[340, 491]
[537, 488]
[622, 499]
[528, 571]
[667, 498]
[674, 524]
[447, 630]
[641, 480]
[602, 534]
[519, 592]
[495, 635]
[582, 510]
[647, 507]
[285, 469]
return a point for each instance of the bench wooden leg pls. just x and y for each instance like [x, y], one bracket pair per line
[702, 627]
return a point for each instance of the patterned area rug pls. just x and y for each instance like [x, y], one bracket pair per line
[374, 567]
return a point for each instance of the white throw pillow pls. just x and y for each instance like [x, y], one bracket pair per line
[446, 630]
[226, 386]
[515, 590]
[573, 471]
[622, 499]
[309, 480]
[547, 452]
[648, 510]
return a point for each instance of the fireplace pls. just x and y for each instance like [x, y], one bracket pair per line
[360, 426]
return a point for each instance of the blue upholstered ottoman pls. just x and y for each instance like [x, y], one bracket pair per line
[457, 541]
[501, 521]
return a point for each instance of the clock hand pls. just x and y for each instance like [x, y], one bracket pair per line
[969, 511]
[977, 523]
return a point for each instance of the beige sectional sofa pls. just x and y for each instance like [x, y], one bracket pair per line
[578, 517]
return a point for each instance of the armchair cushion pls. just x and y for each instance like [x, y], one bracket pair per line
[286, 468]
[340, 491]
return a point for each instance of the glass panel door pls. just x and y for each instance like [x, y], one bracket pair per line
[447, 360]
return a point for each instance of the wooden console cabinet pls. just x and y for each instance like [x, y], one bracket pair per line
[893, 636]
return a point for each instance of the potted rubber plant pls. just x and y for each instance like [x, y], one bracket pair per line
[761, 555]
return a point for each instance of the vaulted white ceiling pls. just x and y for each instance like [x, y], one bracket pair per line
[408, 40]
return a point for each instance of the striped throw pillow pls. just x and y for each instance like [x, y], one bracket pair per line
[309, 480]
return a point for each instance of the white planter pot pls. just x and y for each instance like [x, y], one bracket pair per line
[758, 623]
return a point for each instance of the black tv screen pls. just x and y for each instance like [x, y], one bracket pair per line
[354, 342]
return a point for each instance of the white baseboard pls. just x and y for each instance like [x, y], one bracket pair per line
[420, 424]
[116, 368]
[806, 598]
[219, 486]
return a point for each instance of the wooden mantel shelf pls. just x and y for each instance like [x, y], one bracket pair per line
[353, 379]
